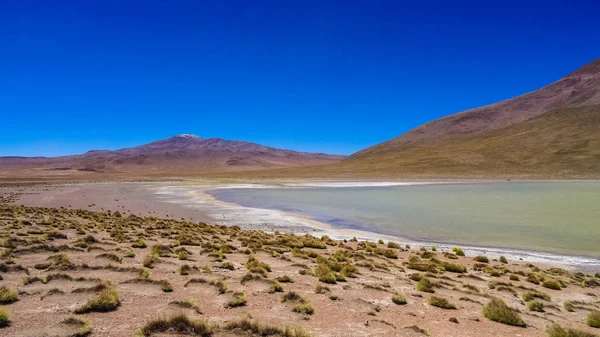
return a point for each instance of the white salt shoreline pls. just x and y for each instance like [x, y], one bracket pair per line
[270, 220]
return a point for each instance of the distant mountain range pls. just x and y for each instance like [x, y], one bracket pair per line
[553, 132]
[179, 155]
[550, 132]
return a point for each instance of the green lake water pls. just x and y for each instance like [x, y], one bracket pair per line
[555, 217]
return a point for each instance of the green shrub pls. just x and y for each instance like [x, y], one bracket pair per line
[441, 302]
[503, 259]
[497, 311]
[593, 319]
[399, 299]
[556, 330]
[8, 295]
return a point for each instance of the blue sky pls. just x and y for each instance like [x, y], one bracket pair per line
[329, 76]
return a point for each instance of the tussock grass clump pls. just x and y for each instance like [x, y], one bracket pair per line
[568, 305]
[150, 260]
[107, 300]
[184, 269]
[535, 306]
[4, 317]
[258, 329]
[140, 243]
[165, 285]
[188, 304]
[458, 251]
[321, 289]
[162, 251]
[556, 330]
[276, 287]
[503, 260]
[178, 323]
[425, 285]
[305, 307]
[455, 268]
[441, 302]
[255, 266]
[84, 325]
[290, 296]
[481, 259]
[220, 284]
[497, 311]
[399, 300]
[110, 256]
[8, 295]
[593, 319]
[284, 279]
[421, 265]
[393, 245]
[551, 284]
[239, 300]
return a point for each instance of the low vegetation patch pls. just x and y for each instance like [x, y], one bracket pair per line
[178, 323]
[441, 302]
[551, 284]
[535, 306]
[481, 259]
[425, 285]
[497, 311]
[188, 304]
[258, 329]
[8, 295]
[4, 317]
[107, 300]
[593, 319]
[399, 299]
[84, 325]
[239, 300]
[455, 268]
[556, 330]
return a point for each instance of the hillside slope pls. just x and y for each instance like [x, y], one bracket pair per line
[550, 132]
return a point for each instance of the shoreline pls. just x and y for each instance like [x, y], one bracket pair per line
[190, 200]
[200, 197]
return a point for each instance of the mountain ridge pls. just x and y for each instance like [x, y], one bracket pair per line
[180, 154]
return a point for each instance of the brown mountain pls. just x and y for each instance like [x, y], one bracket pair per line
[180, 155]
[551, 132]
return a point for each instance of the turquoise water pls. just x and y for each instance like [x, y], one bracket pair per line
[556, 217]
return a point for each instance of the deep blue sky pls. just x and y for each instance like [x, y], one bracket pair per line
[331, 76]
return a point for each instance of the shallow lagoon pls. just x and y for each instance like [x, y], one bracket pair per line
[556, 217]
